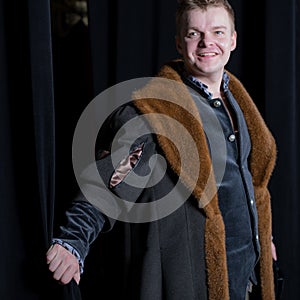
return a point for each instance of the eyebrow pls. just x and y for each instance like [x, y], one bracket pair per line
[219, 27]
[213, 28]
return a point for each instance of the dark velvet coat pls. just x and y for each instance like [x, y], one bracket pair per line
[182, 255]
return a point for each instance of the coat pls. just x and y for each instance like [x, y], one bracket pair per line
[182, 255]
[262, 162]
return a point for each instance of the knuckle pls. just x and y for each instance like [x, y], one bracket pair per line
[65, 280]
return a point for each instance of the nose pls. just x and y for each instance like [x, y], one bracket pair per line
[206, 40]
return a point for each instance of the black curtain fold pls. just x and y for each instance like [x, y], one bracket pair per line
[129, 40]
[41, 74]
[282, 96]
[20, 207]
[27, 183]
[42, 87]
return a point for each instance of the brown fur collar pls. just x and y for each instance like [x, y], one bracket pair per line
[170, 87]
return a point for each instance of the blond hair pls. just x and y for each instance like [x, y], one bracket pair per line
[187, 5]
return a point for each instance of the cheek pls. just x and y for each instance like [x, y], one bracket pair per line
[226, 46]
[191, 47]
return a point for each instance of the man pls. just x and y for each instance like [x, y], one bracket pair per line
[217, 243]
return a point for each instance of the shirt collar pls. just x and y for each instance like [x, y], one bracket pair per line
[204, 88]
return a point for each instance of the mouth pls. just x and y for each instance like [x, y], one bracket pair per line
[207, 54]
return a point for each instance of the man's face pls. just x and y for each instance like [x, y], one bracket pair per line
[206, 41]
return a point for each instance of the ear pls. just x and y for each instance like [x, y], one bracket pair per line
[178, 44]
[233, 40]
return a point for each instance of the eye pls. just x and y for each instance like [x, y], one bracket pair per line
[193, 34]
[219, 32]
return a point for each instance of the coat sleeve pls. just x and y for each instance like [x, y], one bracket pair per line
[101, 198]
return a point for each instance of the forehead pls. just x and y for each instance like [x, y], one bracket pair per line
[212, 17]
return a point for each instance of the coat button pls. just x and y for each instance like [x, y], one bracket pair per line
[217, 103]
[231, 138]
[252, 202]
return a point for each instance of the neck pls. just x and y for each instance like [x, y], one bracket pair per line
[213, 83]
[214, 87]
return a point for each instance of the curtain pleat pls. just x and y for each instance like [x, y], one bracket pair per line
[282, 67]
[41, 66]
[41, 73]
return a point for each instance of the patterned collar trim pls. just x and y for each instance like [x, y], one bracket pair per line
[204, 88]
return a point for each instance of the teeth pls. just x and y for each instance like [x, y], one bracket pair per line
[207, 54]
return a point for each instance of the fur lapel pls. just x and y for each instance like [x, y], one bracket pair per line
[163, 97]
[261, 164]
[171, 87]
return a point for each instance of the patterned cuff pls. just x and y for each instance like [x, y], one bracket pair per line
[72, 250]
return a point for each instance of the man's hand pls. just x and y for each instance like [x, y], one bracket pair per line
[63, 264]
[274, 254]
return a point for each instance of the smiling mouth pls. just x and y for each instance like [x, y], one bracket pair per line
[209, 54]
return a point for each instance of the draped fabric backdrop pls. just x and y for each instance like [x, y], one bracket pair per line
[49, 73]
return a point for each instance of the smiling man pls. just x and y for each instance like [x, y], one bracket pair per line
[205, 39]
[217, 244]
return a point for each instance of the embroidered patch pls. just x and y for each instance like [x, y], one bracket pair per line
[126, 165]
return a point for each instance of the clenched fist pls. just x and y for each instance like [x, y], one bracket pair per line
[63, 264]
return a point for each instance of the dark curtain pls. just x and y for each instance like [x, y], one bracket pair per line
[47, 79]
[282, 94]
[27, 182]
[26, 175]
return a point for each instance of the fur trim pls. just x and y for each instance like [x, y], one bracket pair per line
[262, 162]
[169, 86]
